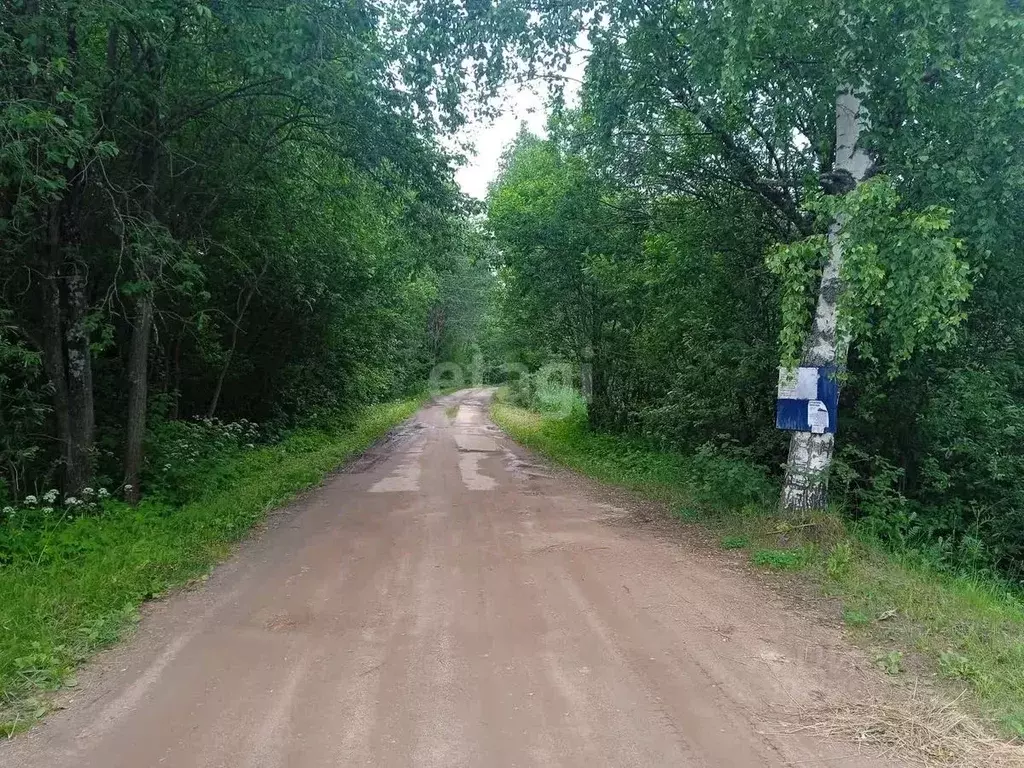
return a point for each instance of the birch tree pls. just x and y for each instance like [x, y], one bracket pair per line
[810, 454]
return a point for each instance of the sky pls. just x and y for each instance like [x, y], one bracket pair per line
[520, 104]
[491, 137]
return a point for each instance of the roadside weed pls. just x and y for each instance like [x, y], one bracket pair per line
[891, 662]
[782, 559]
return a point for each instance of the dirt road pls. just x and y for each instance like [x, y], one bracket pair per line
[446, 602]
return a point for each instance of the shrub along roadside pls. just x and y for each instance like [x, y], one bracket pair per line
[965, 629]
[80, 583]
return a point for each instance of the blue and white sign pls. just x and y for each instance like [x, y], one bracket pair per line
[808, 400]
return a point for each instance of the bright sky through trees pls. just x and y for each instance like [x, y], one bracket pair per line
[520, 104]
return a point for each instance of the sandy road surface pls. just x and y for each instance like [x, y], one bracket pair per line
[444, 602]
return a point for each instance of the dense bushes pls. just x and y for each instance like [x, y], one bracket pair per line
[184, 454]
[714, 480]
[550, 391]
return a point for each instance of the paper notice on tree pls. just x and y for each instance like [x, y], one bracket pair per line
[798, 383]
[817, 417]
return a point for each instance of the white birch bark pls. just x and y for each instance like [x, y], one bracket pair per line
[810, 455]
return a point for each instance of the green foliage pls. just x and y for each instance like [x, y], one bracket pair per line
[961, 506]
[74, 585]
[735, 542]
[972, 474]
[890, 662]
[837, 566]
[1013, 724]
[265, 176]
[23, 411]
[646, 306]
[782, 559]
[904, 282]
[714, 483]
[958, 666]
[856, 618]
[184, 456]
[549, 391]
[798, 265]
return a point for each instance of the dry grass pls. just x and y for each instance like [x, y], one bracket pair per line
[918, 730]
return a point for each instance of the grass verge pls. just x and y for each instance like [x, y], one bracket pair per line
[79, 587]
[965, 631]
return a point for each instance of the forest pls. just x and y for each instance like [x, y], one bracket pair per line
[209, 213]
[222, 223]
[675, 235]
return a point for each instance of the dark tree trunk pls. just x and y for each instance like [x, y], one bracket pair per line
[79, 389]
[146, 268]
[243, 306]
[176, 381]
[138, 385]
[53, 361]
[67, 358]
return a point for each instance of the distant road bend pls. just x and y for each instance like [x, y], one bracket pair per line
[446, 602]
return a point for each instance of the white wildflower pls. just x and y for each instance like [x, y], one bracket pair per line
[103, 493]
[31, 501]
[8, 510]
[87, 492]
[71, 501]
[47, 510]
[51, 496]
[127, 487]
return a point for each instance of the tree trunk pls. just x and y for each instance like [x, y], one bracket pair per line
[146, 268]
[53, 361]
[138, 385]
[67, 357]
[79, 385]
[175, 381]
[810, 455]
[243, 307]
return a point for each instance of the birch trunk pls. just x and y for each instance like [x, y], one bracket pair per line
[810, 455]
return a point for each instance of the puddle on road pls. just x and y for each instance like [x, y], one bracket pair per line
[472, 478]
[404, 478]
[523, 468]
